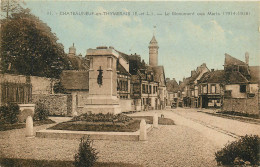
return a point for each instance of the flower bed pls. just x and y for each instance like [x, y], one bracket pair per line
[107, 123]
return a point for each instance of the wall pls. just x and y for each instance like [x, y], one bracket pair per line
[42, 85]
[235, 91]
[253, 88]
[59, 104]
[246, 105]
[12, 78]
[126, 105]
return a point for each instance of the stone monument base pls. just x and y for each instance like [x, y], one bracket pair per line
[100, 108]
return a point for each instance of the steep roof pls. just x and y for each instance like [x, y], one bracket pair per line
[184, 83]
[125, 56]
[220, 76]
[172, 85]
[78, 63]
[75, 80]
[229, 60]
[193, 78]
[217, 76]
[255, 74]
[235, 78]
[153, 41]
[159, 75]
[122, 70]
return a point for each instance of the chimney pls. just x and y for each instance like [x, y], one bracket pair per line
[180, 82]
[193, 72]
[183, 79]
[212, 69]
[167, 79]
[247, 58]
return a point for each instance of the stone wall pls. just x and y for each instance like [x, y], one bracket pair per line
[245, 105]
[59, 104]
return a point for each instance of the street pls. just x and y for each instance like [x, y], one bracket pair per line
[193, 141]
[217, 129]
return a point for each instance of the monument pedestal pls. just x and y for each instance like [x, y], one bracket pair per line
[102, 104]
[102, 81]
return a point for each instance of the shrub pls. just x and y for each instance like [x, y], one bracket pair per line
[87, 155]
[118, 118]
[41, 112]
[9, 113]
[243, 151]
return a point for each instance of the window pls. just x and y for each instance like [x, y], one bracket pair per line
[242, 88]
[143, 88]
[205, 89]
[150, 89]
[213, 88]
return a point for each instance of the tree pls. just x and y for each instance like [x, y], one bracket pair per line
[11, 6]
[30, 48]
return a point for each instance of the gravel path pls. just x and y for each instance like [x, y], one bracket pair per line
[174, 145]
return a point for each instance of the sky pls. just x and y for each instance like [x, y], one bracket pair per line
[185, 41]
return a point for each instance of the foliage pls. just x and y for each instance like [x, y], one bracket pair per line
[243, 151]
[9, 113]
[239, 114]
[29, 47]
[118, 118]
[10, 6]
[58, 88]
[87, 155]
[41, 112]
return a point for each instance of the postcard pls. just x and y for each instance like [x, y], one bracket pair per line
[129, 83]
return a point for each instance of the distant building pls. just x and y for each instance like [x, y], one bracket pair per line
[236, 88]
[77, 82]
[172, 87]
[158, 71]
[153, 52]
[242, 86]
[189, 90]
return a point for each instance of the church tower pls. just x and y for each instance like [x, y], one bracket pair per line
[153, 52]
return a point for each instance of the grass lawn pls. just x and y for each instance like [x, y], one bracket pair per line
[4, 127]
[6, 162]
[131, 126]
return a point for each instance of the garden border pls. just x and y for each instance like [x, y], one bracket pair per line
[95, 135]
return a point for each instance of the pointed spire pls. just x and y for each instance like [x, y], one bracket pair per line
[154, 28]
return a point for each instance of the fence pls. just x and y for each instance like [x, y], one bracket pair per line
[15, 93]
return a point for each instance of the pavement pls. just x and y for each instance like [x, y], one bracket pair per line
[191, 142]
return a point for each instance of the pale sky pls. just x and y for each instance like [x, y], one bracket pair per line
[185, 42]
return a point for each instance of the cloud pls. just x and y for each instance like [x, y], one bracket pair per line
[209, 33]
